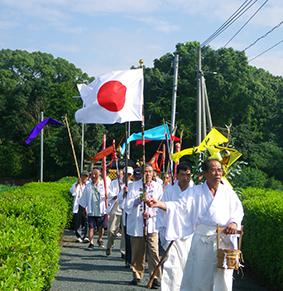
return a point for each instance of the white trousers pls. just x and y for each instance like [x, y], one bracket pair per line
[174, 265]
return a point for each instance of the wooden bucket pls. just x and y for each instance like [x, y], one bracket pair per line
[227, 258]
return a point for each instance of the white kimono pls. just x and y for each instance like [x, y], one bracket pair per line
[174, 265]
[113, 191]
[135, 209]
[199, 213]
[77, 191]
[93, 199]
[122, 202]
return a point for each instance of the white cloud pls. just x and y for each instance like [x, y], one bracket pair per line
[157, 24]
[115, 6]
[269, 15]
[272, 62]
[64, 47]
[7, 24]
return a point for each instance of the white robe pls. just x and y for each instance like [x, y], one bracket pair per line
[177, 257]
[135, 221]
[122, 202]
[199, 213]
[77, 191]
[113, 191]
[86, 201]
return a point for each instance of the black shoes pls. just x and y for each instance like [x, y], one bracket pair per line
[135, 282]
[91, 246]
[155, 284]
[108, 252]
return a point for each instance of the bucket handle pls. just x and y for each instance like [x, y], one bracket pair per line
[221, 229]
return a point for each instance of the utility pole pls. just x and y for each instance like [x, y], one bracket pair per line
[174, 97]
[203, 109]
[41, 149]
[199, 99]
[207, 108]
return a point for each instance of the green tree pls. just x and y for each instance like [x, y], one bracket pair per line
[31, 83]
[248, 98]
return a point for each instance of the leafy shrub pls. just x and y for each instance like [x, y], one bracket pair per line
[32, 220]
[251, 177]
[4, 188]
[274, 184]
[263, 239]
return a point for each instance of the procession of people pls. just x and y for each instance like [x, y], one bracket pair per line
[179, 219]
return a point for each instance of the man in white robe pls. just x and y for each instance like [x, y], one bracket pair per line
[114, 211]
[93, 200]
[80, 220]
[200, 211]
[177, 257]
[122, 197]
[141, 219]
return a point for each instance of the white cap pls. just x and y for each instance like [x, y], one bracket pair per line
[130, 170]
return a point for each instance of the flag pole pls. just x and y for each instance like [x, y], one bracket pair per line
[116, 164]
[127, 240]
[73, 148]
[41, 149]
[104, 170]
[143, 160]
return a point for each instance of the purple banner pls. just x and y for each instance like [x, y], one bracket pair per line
[36, 130]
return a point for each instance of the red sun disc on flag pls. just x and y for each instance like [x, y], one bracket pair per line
[112, 96]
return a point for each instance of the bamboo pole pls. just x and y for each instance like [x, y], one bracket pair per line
[73, 148]
[143, 161]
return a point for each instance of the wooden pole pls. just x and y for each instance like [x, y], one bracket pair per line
[160, 263]
[73, 148]
[143, 159]
[104, 170]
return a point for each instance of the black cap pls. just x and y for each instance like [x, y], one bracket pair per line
[84, 173]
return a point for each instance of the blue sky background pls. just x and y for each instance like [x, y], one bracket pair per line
[103, 35]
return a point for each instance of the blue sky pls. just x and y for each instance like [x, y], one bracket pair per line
[103, 35]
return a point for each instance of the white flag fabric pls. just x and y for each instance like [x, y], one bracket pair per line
[113, 97]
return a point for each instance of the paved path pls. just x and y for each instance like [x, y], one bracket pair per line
[90, 269]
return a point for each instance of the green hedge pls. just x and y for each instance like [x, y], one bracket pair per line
[263, 233]
[32, 220]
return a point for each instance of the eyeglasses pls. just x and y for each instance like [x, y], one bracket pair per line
[214, 171]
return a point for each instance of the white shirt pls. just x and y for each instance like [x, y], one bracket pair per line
[93, 199]
[113, 191]
[198, 206]
[171, 193]
[135, 221]
[77, 191]
[122, 201]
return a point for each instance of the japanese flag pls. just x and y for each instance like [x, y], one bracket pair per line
[112, 97]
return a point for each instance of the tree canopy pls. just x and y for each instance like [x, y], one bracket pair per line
[31, 83]
[250, 99]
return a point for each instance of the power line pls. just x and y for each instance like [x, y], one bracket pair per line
[263, 36]
[265, 51]
[221, 28]
[245, 23]
[239, 12]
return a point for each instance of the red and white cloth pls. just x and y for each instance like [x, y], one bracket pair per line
[112, 97]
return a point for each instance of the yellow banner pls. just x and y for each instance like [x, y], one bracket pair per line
[214, 137]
